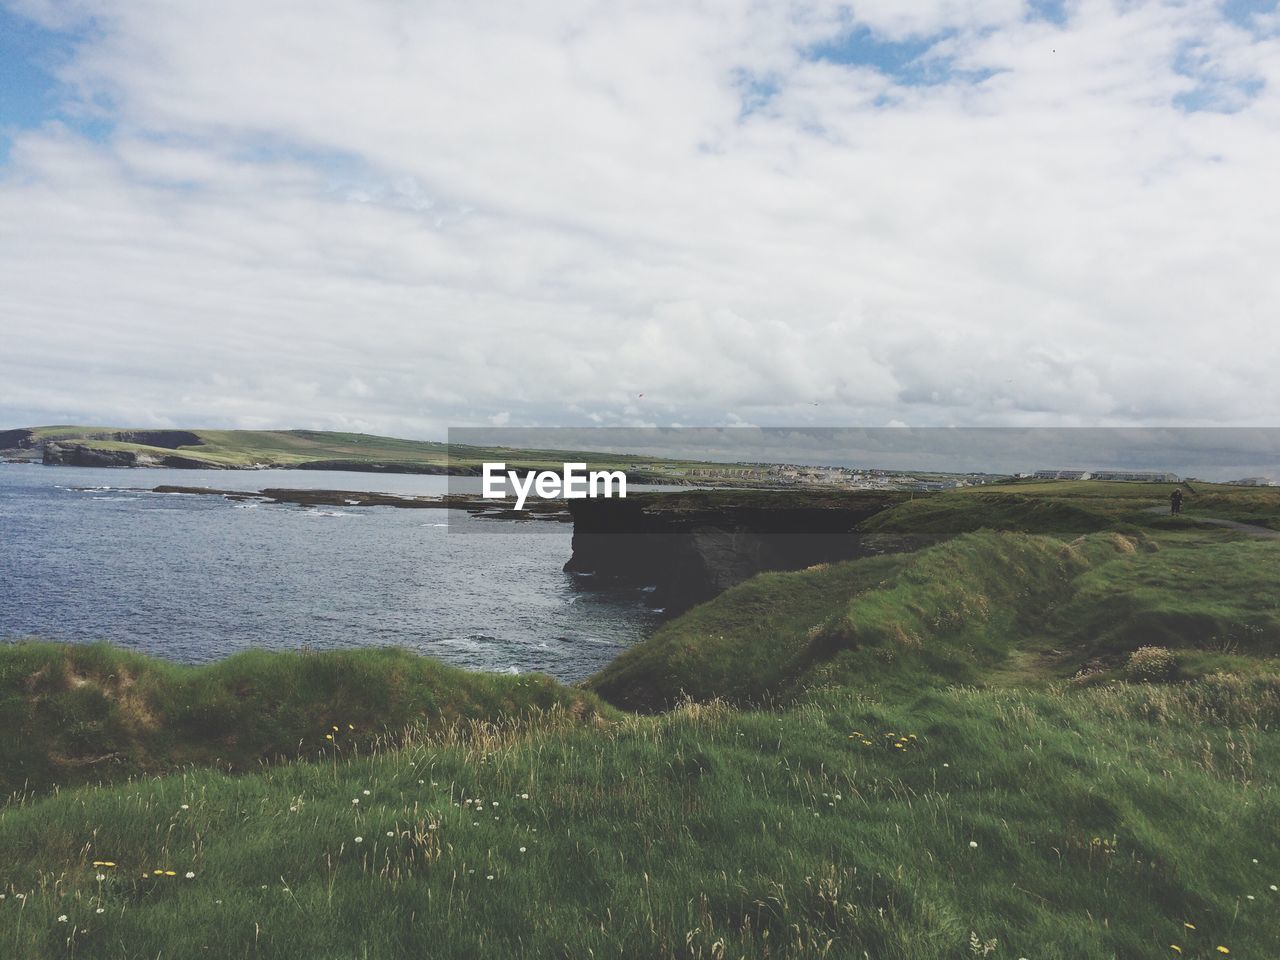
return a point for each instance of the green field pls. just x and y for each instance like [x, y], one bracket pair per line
[246, 449]
[954, 752]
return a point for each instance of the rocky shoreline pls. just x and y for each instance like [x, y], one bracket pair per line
[474, 505]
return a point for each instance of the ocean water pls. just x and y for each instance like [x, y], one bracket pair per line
[86, 555]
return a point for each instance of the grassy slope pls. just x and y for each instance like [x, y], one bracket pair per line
[899, 795]
[289, 448]
[1103, 820]
[243, 448]
[980, 606]
[83, 713]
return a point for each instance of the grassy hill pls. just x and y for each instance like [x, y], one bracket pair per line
[969, 610]
[956, 752]
[244, 449]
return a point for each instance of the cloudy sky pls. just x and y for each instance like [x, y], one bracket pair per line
[405, 215]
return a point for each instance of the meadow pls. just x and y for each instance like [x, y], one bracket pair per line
[966, 750]
[335, 450]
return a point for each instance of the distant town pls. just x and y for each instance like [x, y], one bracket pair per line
[1136, 476]
[790, 474]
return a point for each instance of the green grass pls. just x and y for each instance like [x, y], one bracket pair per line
[1196, 594]
[743, 645]
[1057, 507]
[1256, 505]
[77, 714]
[982, 608]
[1061, 824]
[294, 448]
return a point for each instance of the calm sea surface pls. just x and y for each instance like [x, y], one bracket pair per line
[85, 555]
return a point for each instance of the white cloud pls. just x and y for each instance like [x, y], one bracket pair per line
[410, 216]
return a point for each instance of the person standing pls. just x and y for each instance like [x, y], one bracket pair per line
[1175, 501]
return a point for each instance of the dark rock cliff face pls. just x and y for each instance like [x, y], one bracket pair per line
[15, 439]
[79, 455]
[75, 452]
[691, 547]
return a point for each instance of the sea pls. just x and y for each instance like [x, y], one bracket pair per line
[92, 554]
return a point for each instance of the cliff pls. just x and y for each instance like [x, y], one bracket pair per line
[692, 546]
[83, 455]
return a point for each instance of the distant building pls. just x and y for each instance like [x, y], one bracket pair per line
[1136, 476]
[1061, 474]
[1253, 482]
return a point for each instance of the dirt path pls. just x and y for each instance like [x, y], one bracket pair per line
[1263, 533]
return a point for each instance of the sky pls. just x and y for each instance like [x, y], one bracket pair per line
[401, 217]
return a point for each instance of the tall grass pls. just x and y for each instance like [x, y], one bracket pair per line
[86, 713]
[1059, 823]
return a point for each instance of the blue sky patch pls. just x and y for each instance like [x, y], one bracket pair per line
[29, 57]
[1220, 96]
[902, 60]
[1055, 11]
[1242, 12]
[1215, 91]
[909, 63]
[30, 91]
[755, 91]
